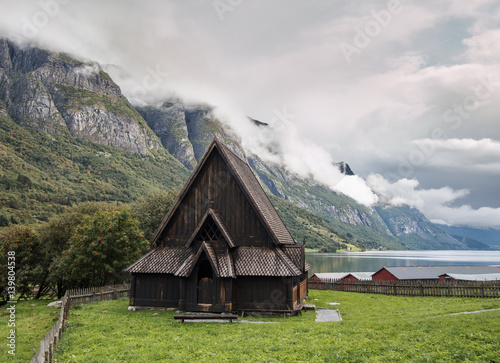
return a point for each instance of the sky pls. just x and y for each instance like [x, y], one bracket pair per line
[406, 92]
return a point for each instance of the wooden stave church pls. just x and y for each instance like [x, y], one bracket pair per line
[222, 247]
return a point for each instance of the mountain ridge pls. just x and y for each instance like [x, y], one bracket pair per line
[74, 100]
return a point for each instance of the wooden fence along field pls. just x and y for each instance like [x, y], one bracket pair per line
[413, 288]
[74, 297]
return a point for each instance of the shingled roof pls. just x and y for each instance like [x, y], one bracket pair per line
[243, 261]
[250, 186]
[258, 196]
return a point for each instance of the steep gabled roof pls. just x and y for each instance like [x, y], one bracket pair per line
[257, 196]
[250, 187]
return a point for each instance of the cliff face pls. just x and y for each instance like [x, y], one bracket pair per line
[168, 121]
[59, 94]
[187, 130]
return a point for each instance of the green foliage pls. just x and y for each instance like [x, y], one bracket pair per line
[151, 209]
[22, 244]
[101, 248]
[6, 218]
[55, 235]
[63, 171]
[375, 328]
[306, 227]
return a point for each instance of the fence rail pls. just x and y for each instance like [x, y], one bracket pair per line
[74, 297]
[483, 289]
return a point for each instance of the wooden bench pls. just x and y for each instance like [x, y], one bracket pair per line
[183, 317]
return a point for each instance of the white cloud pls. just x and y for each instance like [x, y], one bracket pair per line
[462, 154]
[373, 113]
[434, 203]
[483, 47]
[355, 187]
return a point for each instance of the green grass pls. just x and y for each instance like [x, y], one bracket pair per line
[32, 323]
[375, 328]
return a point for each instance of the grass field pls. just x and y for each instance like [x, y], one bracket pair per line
[32, 323]
[375, 328]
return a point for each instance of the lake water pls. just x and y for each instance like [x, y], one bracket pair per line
[372, 261]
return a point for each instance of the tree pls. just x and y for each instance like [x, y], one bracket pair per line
[55, 236]
[101, 248]
[22, 245]
[151, 209]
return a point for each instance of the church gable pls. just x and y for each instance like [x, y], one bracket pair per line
[216, 186]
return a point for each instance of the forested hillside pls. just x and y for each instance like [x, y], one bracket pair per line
[42, 173]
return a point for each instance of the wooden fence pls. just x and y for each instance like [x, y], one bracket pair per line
[74, 297]
[413, 288]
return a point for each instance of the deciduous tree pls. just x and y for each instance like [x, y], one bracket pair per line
[101, 248]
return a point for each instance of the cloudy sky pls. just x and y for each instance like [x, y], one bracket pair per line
[406, 92]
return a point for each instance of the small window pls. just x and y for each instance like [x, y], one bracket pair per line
[210, 232]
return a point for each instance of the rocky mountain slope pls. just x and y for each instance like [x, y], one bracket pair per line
[67, 130]
[56, 93]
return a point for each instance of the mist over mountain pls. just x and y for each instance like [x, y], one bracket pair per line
[47, 95]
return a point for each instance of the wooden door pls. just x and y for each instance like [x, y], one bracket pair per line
[205, 290]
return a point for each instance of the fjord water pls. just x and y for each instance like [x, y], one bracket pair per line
[371, 261]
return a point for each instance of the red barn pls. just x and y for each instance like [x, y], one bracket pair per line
[408, 273]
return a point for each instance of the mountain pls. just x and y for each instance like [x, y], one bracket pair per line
[187, 130]
[56, 93]
[344, 168]
[415, 231]
[70, 135]
[488, 236]
[67, 135]
[346, 220]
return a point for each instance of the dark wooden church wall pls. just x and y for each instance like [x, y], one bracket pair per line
[216, 188]
[156, 290]
[259, 293]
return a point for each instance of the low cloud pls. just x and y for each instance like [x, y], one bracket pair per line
[436, 204]
[463, 154]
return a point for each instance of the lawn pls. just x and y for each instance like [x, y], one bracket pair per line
[32, 323]
[375, 328]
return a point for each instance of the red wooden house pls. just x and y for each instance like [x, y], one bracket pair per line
[222, 247]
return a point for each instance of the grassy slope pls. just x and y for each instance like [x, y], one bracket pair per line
[62, 171]
[305, 227]
[375, 328]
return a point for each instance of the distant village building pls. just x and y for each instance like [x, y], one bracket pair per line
[453, 277]
[222, 247]
[358, 276]
[431, 273]
[336, 276]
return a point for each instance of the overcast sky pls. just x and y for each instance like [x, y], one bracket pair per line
[406, 92]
